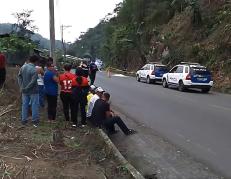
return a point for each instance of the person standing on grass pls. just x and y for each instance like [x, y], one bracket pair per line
[40, 81]
[80, 90]
[85, 69]
[51, 90]
[92, 72]
[65, 81]
[102, 115]
[27, 80]
[2, 69]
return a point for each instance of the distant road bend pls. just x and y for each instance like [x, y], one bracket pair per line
[198, 123]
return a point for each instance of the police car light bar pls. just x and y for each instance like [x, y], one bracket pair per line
[189, 63]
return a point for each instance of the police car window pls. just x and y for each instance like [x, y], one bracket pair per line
[173, 70]
[152, 67]
[186, 69]
[179, 69]
[147, 67]
[200, 71]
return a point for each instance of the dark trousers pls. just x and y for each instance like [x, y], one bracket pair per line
[92, 77]
[82, 105]
[68, 105]
[2, 76]
[52, 105]
[110, 124]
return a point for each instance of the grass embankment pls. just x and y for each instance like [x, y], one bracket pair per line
[28, 152]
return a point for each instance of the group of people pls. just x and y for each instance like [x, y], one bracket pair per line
[76, 94]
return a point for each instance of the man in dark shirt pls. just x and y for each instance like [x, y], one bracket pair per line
[103, 116]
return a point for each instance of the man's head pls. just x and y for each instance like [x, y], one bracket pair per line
[33, 59]
[99, 91]
[50, 65]
[67, 67]
[106, 97]
[92, 89]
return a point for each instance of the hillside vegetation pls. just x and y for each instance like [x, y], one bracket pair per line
[168, 31]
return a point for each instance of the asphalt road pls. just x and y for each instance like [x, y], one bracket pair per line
[198, 123]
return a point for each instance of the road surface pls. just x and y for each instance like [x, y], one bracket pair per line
[200, 124]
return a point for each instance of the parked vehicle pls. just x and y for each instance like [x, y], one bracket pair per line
[151, 72]
[188, 75]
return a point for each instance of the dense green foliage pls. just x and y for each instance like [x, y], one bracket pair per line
[169, 31]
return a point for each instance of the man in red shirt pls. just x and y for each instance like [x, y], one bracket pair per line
[65, 80]
[2, 69]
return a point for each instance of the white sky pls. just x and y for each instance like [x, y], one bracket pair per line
[80, 14]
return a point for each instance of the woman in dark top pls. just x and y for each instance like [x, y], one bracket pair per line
[80, 89]
[51, 90]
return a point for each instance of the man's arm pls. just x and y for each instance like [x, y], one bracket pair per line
[20, 80]
[33, 81]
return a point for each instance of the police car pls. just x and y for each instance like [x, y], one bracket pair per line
[188, 75]
[151, 72]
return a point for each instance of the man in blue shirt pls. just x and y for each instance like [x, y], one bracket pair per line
[27, 80]
[51, 90]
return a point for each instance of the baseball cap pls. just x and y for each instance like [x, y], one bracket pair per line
[93, 87]
[99, 89]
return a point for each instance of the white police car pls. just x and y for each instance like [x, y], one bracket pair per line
[188, 75]
[151, 72]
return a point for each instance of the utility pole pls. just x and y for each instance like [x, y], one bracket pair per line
[52, 30]
[63, 27]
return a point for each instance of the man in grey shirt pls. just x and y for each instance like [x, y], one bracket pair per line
[27, 80]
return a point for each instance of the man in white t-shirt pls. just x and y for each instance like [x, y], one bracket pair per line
[98, 94]
[40, 81]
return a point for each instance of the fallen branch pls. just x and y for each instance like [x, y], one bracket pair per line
[6, 111]
[15, 158]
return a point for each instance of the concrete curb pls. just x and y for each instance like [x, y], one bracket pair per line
[133, 172]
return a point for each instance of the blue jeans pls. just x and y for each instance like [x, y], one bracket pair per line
[33, 100]
[41, 95]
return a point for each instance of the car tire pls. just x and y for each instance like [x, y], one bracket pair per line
[205, 90]
[148, 80]
[138, 78]
[165, 83]
[181, 86]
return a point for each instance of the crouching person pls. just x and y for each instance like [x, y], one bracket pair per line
[103, 116]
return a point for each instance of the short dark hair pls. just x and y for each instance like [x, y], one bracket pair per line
[33, 59]
[67, 67]
[79, 71]
[106, 95]
[49, 64]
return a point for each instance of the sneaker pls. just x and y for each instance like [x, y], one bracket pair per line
[24, 123]
[35, 124]
[131, 131]
[74, 125]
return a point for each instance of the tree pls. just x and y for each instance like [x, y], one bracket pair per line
[24, 26]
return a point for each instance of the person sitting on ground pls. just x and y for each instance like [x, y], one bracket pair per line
[90, 94]
[51, 90]
[104, 116]
[65, 81]
[98, 94]
[80, 88]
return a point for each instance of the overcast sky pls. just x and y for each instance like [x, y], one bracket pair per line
[80, 14]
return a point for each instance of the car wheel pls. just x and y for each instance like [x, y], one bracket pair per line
[181, 86]
[149, 80]
[205, 90]
[165, 84]
[138, 78]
